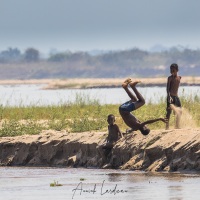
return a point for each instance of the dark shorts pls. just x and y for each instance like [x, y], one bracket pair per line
[128, 106]
[176, 101]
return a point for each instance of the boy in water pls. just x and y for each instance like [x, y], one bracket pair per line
[114, 134]
[173, 101]
[135, 103]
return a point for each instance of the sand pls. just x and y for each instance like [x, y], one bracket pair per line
[160, 151]
[97, 82]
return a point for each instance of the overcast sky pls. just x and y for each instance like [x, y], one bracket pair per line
[98, 24]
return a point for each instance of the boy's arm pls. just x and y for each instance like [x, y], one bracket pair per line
[106, 140]
[168, 84]
[153, 120]
[168, 89]
[119, 132]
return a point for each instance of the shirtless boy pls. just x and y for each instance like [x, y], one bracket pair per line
[173, 101]
[114, 134]
[135, 103]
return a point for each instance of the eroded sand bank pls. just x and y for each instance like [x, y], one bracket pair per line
[161, 150]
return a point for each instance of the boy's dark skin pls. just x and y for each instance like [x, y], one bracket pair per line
[173, 83]
[138, 101]
[114, 134]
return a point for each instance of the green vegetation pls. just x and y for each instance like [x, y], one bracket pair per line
[54, 184]
[85, 115]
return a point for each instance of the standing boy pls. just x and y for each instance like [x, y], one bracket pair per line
[173, 101]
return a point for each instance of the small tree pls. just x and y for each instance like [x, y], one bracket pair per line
[10, 55]
[31, 55]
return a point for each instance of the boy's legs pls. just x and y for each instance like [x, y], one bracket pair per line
[103, 150]
[130, 94]
[175, 105]
[141, 101]
[169, 111]
[136, 101]
[178, 112]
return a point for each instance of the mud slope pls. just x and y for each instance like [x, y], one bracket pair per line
[161, 150]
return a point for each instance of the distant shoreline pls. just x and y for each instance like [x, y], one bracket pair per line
[85, 83]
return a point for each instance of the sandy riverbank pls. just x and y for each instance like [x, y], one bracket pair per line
[94, 82]
[161, 150]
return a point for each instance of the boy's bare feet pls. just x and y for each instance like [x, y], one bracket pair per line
[126, 82]
[133, 84]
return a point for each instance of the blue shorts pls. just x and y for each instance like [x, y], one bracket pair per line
[128, 106]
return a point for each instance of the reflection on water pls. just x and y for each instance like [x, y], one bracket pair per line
[34, 183]
[33, 95]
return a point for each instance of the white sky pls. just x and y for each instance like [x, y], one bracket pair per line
[98, 24]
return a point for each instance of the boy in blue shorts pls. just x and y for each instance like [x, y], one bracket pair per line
[135, 103]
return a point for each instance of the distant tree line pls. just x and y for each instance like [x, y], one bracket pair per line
[15, 55]
[113, 64]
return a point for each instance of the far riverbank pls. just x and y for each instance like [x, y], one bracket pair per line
[98, 83]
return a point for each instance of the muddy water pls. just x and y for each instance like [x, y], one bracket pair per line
[34, 183]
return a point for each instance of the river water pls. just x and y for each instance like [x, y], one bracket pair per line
[20, 183]
[27, 95]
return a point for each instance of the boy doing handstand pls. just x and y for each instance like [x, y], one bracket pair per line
[135, 103]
